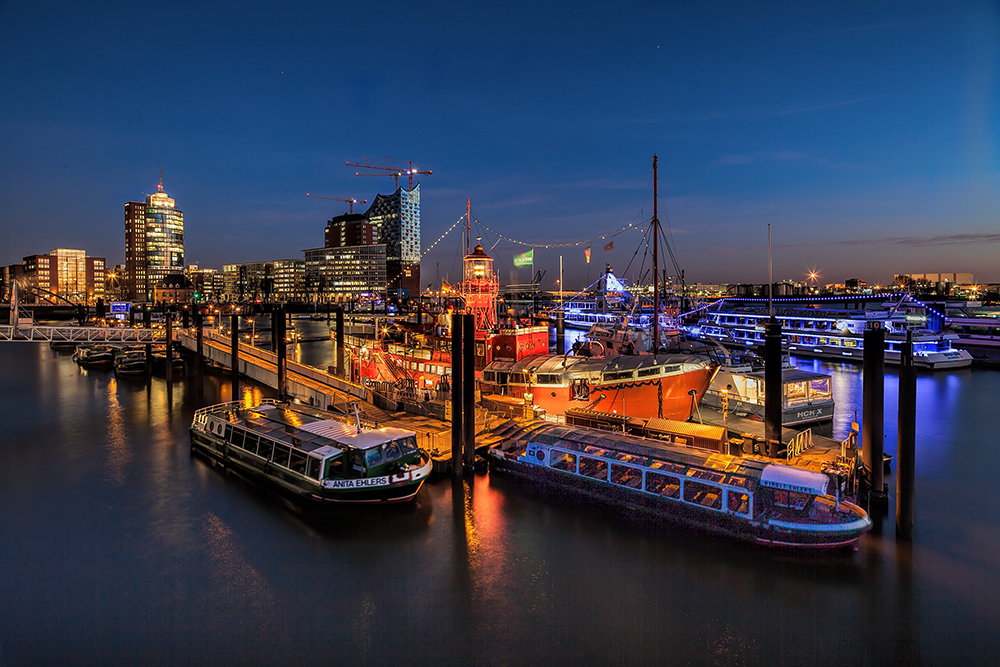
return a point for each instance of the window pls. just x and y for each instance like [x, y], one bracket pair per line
[297, 462]
[791, 499]
[738, 502]
[250, 444]
[705, 495]
[391, 451]
[313, 465]
[334, 468]
[562, 461]
[237, 439]
[595, 468]
[407, 445]
[281, 453]
[626, 476]
[373, 457]
[667, 486]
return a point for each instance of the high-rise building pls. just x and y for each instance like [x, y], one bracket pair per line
[343, 275]
[154, 243]
[398, 219]
[350, 229]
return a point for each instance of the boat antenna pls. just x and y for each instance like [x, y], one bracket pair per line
[357, 417]
[770, 281]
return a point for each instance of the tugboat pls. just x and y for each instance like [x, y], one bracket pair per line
[311, 454]
[94, 356]
[131, 363]
[745, 498]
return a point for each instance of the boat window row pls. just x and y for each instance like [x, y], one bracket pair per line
[834, 341]
[690, 485]
[280, 454]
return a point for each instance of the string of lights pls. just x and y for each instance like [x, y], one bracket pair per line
[441, 238]
[573, 244]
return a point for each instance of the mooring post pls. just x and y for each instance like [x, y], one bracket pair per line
[149, 358]
[340, 341]
[456, 393]
[234, 351]
[185, 318]
[147, 318]
[279, 348]
[199, 333]
[560, 333]
[873, 408]
[906, 441]
[170, 350]
[469, 390]
[772, 386]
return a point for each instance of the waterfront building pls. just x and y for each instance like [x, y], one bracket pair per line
[8, 274]
[289, 279]
[208, 284]
[350, 229]
[234, 282]
[173, 289]
[348, 274]
[397, 217]
[67, 273]
[154, 243]
[259, 281]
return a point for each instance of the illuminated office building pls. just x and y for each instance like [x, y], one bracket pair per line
[67, 273]
[397, 217]
[154, 243]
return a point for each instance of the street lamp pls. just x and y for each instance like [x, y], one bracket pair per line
[725, 410]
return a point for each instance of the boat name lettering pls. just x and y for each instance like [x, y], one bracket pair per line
[356, 483]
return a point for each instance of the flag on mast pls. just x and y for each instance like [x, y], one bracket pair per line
[525, 258]
[610, 246]
[586, 254]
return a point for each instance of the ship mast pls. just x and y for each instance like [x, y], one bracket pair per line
[656, 268]
[468, 222]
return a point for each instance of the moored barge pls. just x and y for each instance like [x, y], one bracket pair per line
[310, 454]
[745, 498]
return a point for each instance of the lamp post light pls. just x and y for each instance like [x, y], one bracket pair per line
[725, 410]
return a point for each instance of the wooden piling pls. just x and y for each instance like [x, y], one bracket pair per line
[456, 393]
[906, 441]
[560, 333]
[234, 350]
[873, 407]
[772, 386]
[170, 351]
[469, 391]
[340, 341]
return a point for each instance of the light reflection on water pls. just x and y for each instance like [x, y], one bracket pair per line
[122, 547]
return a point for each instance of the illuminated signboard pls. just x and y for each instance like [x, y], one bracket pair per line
[121, 307]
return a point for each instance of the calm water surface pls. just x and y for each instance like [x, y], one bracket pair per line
[120, 547]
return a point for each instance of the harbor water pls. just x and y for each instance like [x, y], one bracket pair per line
[121, 547]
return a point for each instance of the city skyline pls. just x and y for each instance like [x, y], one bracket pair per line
[865, 135]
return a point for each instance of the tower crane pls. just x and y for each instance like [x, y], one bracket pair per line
[352, 201]
[400, 170]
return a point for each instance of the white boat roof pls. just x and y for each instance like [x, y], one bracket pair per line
[779, 476]
[347, 434]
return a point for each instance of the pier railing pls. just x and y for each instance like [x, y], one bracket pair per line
[70, 334]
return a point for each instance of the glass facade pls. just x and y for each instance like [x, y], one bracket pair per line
[154, 243]
[344, 274]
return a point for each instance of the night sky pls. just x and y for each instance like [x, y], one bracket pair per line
[864, 132]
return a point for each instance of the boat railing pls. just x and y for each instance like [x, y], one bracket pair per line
[798, 444]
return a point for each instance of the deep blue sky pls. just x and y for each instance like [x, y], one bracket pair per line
[864, 132]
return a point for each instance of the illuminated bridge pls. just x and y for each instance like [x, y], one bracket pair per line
[75, 334]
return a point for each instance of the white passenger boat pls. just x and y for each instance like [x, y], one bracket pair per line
[829, 334]
[309, 453]
[745, 498]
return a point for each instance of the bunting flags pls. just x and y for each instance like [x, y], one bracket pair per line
[610, 246]
[525, 258]
[586, 253]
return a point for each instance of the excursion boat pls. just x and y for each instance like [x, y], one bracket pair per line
[829, 334]
[131, 363]
[806, 397]
[978, 335]
[309, 453]
[94, 356]
[668, 386]
[745, 498]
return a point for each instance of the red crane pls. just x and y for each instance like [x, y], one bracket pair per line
[400, 170]
[352, 201]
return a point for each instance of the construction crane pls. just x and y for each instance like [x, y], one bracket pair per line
[352, 201]
[399, 170]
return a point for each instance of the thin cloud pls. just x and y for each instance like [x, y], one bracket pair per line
[912, 241]
[830, 105]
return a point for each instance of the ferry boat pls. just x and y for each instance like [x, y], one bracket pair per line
[829, 334]
[309, 453]
[642, 385]
[745, 498]
[978, 335]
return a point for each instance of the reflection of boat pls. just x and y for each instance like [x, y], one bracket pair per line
[131, 363]
[829, 334]
[806, 397]
[160, 362]
[94, 356]
[308, 453]
[745, 498]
